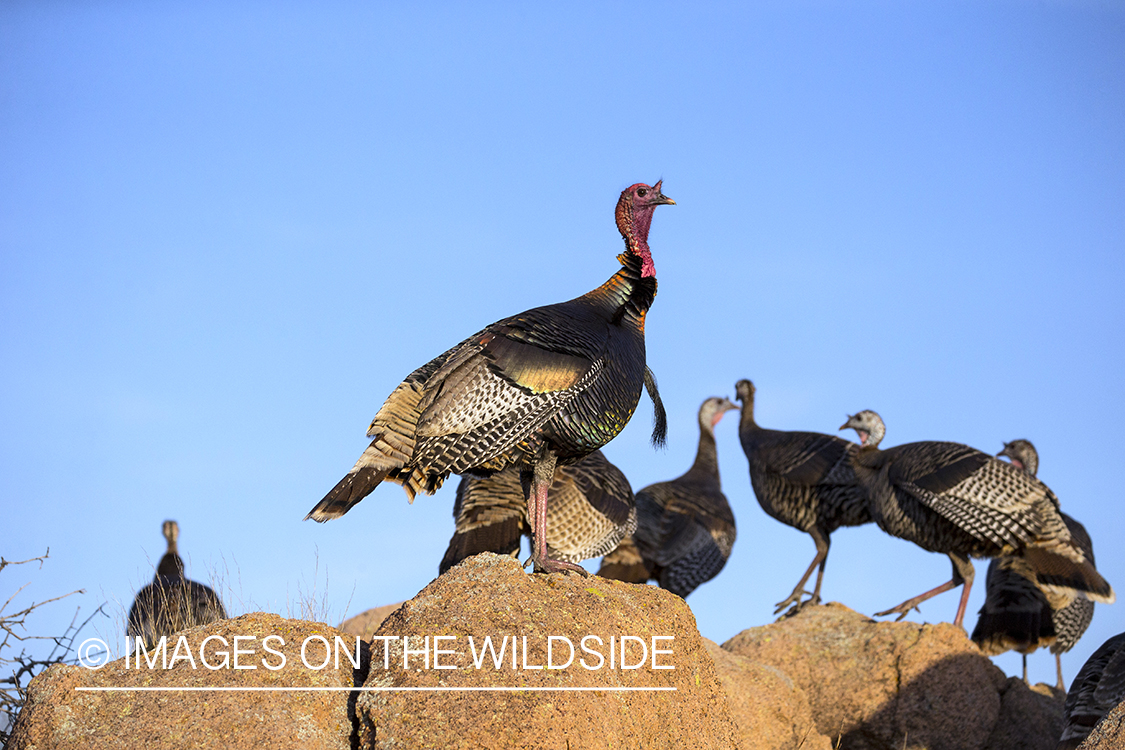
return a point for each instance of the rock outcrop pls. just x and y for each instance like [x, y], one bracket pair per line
[643, 674]
[62, 712]
[366, 623]
[771, 712]
[1030, 718]
[886, 686]
[553, 662]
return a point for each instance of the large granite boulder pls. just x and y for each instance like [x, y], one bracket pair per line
[893, 685]
[770, 710]
[488, 656]
[60, 714]
[578, 642]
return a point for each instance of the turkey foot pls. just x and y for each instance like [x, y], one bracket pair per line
[903, 609]
[547, 565]
[795, 600]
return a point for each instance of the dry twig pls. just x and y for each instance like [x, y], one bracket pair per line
[24, 667]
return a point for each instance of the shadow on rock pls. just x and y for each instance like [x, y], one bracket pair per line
[885, 685]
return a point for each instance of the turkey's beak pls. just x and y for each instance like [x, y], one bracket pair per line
[728, 406]
[661, 199]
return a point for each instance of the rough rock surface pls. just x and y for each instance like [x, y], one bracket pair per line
[1109, 734]
[59, 716]
[888, 686]
[1030, 719]
[825, 676]
[366, 623]
[490, 595]
[771, 712]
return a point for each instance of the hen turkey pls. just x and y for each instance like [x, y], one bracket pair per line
[804, 480]
[171, 603]
[685, 527]
[950, 498]
[1018, 614]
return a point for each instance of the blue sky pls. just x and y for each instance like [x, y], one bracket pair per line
[229, 230]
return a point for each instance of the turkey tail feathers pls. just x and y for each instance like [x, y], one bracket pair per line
[1016, 614]
[659, 417]
[1018, 631]
[502, 537]
[357, 485]
[1061, 575]
[625, 564]
[629, 573]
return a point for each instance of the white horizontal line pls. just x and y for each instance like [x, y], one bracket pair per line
[376, 689]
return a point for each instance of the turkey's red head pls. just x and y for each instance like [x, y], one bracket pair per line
[634, 216]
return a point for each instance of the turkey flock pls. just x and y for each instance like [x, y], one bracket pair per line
[520, 410]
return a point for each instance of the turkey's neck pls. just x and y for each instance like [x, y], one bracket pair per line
[627, 292]
[171, 565]
[875, 435]
[706, 457]
[746, 421]
[630, 291]
[634, 226]
[869, 457]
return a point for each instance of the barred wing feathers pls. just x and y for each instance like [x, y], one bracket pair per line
[490, 516]
[466, 409]
[986, 497]
[805, 479]
[591, 509]
[803, 458]
[590, 512]
[1072, 614]
[625, 563]
[696, 533]
[1001, 506]
[604, 487]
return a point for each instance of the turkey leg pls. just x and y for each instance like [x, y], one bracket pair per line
[962, 576]
[537, 482]
[820, 559]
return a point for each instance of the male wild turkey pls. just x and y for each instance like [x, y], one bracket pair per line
[685, 527]
[171, 603]
[591, 510]
[539, 389]
[804, 480]
[950, 498]
[1017, 614]
[1098, 687]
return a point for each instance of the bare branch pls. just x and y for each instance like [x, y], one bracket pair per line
[13, 627]
[5, 563]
